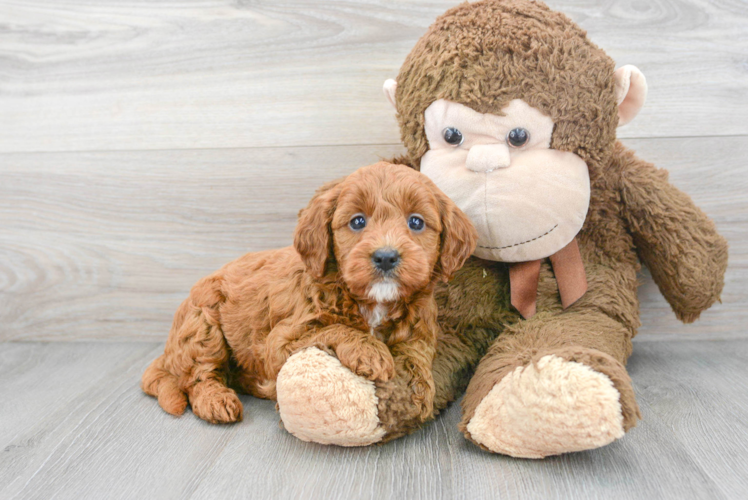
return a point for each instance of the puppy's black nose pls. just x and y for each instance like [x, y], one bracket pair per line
[385, 259]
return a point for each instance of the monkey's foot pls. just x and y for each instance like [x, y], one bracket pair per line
[322, 401]
[547, 408]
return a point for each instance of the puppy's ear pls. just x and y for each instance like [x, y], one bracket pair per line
[458, 238]
[313, 236]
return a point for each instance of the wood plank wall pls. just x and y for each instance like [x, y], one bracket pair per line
[144, 144]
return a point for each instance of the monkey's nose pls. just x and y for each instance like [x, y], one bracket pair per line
[487, 157]
[385, 259]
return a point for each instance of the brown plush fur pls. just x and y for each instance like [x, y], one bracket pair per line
[239, 325]
[483, 55]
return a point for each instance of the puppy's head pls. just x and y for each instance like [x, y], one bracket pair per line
[387, 229]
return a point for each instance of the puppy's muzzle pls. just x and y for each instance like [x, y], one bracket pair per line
[385, 259]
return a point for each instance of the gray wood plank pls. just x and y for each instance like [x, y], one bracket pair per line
[35, 380]
[110, 440]
[135, 230]
[102, 442]
[700, 392]
[649, 462]
[47, 390]
[81, 76]
[105, 245]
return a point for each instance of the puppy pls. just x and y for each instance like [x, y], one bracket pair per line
[357, 283]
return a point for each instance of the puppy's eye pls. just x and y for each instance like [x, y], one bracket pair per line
[416, 223]
[358, 222]
[453, 136]
[518, 137]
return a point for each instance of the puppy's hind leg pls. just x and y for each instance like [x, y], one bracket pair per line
[196, 360]
[202, 340]
[161, 384]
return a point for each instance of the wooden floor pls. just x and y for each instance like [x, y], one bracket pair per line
[144, 144]
[77, 426]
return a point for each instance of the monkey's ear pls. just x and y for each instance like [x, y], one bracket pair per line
[390, 86]
[313, 236]
[631, 92]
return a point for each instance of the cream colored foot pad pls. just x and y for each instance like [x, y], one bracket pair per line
[553, 407]
[322, 401]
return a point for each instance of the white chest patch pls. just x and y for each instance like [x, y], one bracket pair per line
[384, 291]
[377, 315]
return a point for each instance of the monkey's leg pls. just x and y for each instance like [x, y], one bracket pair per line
[453, 365]
[553, 384]
[321, 400]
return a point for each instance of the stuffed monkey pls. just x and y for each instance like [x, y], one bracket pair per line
[512, 112]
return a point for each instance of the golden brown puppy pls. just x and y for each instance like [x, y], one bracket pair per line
[357, 283]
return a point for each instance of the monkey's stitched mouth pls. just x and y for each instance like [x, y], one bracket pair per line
[521, 243]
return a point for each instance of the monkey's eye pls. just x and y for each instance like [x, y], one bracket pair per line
[453, 136]
[358, 222]
[416, 223]
[518, 137]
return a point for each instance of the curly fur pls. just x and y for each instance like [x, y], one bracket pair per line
[239, 325]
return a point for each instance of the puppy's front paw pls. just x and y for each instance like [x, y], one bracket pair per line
[370, 359]
[216, 405]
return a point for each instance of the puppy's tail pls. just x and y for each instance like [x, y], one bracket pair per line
[162, 384]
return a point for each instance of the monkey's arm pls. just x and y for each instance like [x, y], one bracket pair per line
[674, 238]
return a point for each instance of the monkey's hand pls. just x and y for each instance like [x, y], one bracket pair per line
[674, 238]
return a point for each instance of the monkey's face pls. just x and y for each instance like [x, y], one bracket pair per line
[526, 200]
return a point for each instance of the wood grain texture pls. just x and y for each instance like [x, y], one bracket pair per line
[110, 243]
[77, 75]
[98, 436]
[145, 144]
[105, 245]
[76, 444]
[697, 390]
